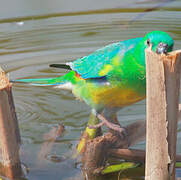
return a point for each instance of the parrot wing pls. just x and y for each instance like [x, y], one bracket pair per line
[90, 66]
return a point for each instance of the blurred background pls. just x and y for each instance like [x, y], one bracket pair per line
[36, 33]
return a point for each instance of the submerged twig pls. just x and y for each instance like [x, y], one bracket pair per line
[50, 139]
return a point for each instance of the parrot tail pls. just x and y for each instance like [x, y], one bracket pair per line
[63, 82]
[37, 82]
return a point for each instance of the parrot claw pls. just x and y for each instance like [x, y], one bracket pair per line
[96, 126]
[122, 131]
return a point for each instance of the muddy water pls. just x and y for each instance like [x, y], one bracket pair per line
[34, 34]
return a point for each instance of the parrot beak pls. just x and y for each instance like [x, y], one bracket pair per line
[162, 48]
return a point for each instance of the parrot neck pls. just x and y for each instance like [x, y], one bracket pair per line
[139, 53]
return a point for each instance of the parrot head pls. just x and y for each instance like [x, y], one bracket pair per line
[160, 41]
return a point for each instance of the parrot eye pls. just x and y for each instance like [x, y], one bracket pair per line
[148, 42]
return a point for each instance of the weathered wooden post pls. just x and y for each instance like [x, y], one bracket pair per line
[163, 82]
[10, 165]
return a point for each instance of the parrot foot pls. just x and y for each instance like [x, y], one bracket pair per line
[122, 131]
[96, 126]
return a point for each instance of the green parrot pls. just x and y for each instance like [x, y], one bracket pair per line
[110, 78]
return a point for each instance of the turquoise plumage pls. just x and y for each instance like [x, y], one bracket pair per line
[90, 66]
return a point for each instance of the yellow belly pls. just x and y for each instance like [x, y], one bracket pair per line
[115, 97]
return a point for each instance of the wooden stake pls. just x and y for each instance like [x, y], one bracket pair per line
[10, 165]
[163, 82]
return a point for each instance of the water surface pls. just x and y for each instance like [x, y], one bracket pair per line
[35, 34]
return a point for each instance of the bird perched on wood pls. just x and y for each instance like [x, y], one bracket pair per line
[110, 78]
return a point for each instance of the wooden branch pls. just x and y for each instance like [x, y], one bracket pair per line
[163, 82]
[98, 150]
[128, 154]
[10, 165]
[132, 154]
